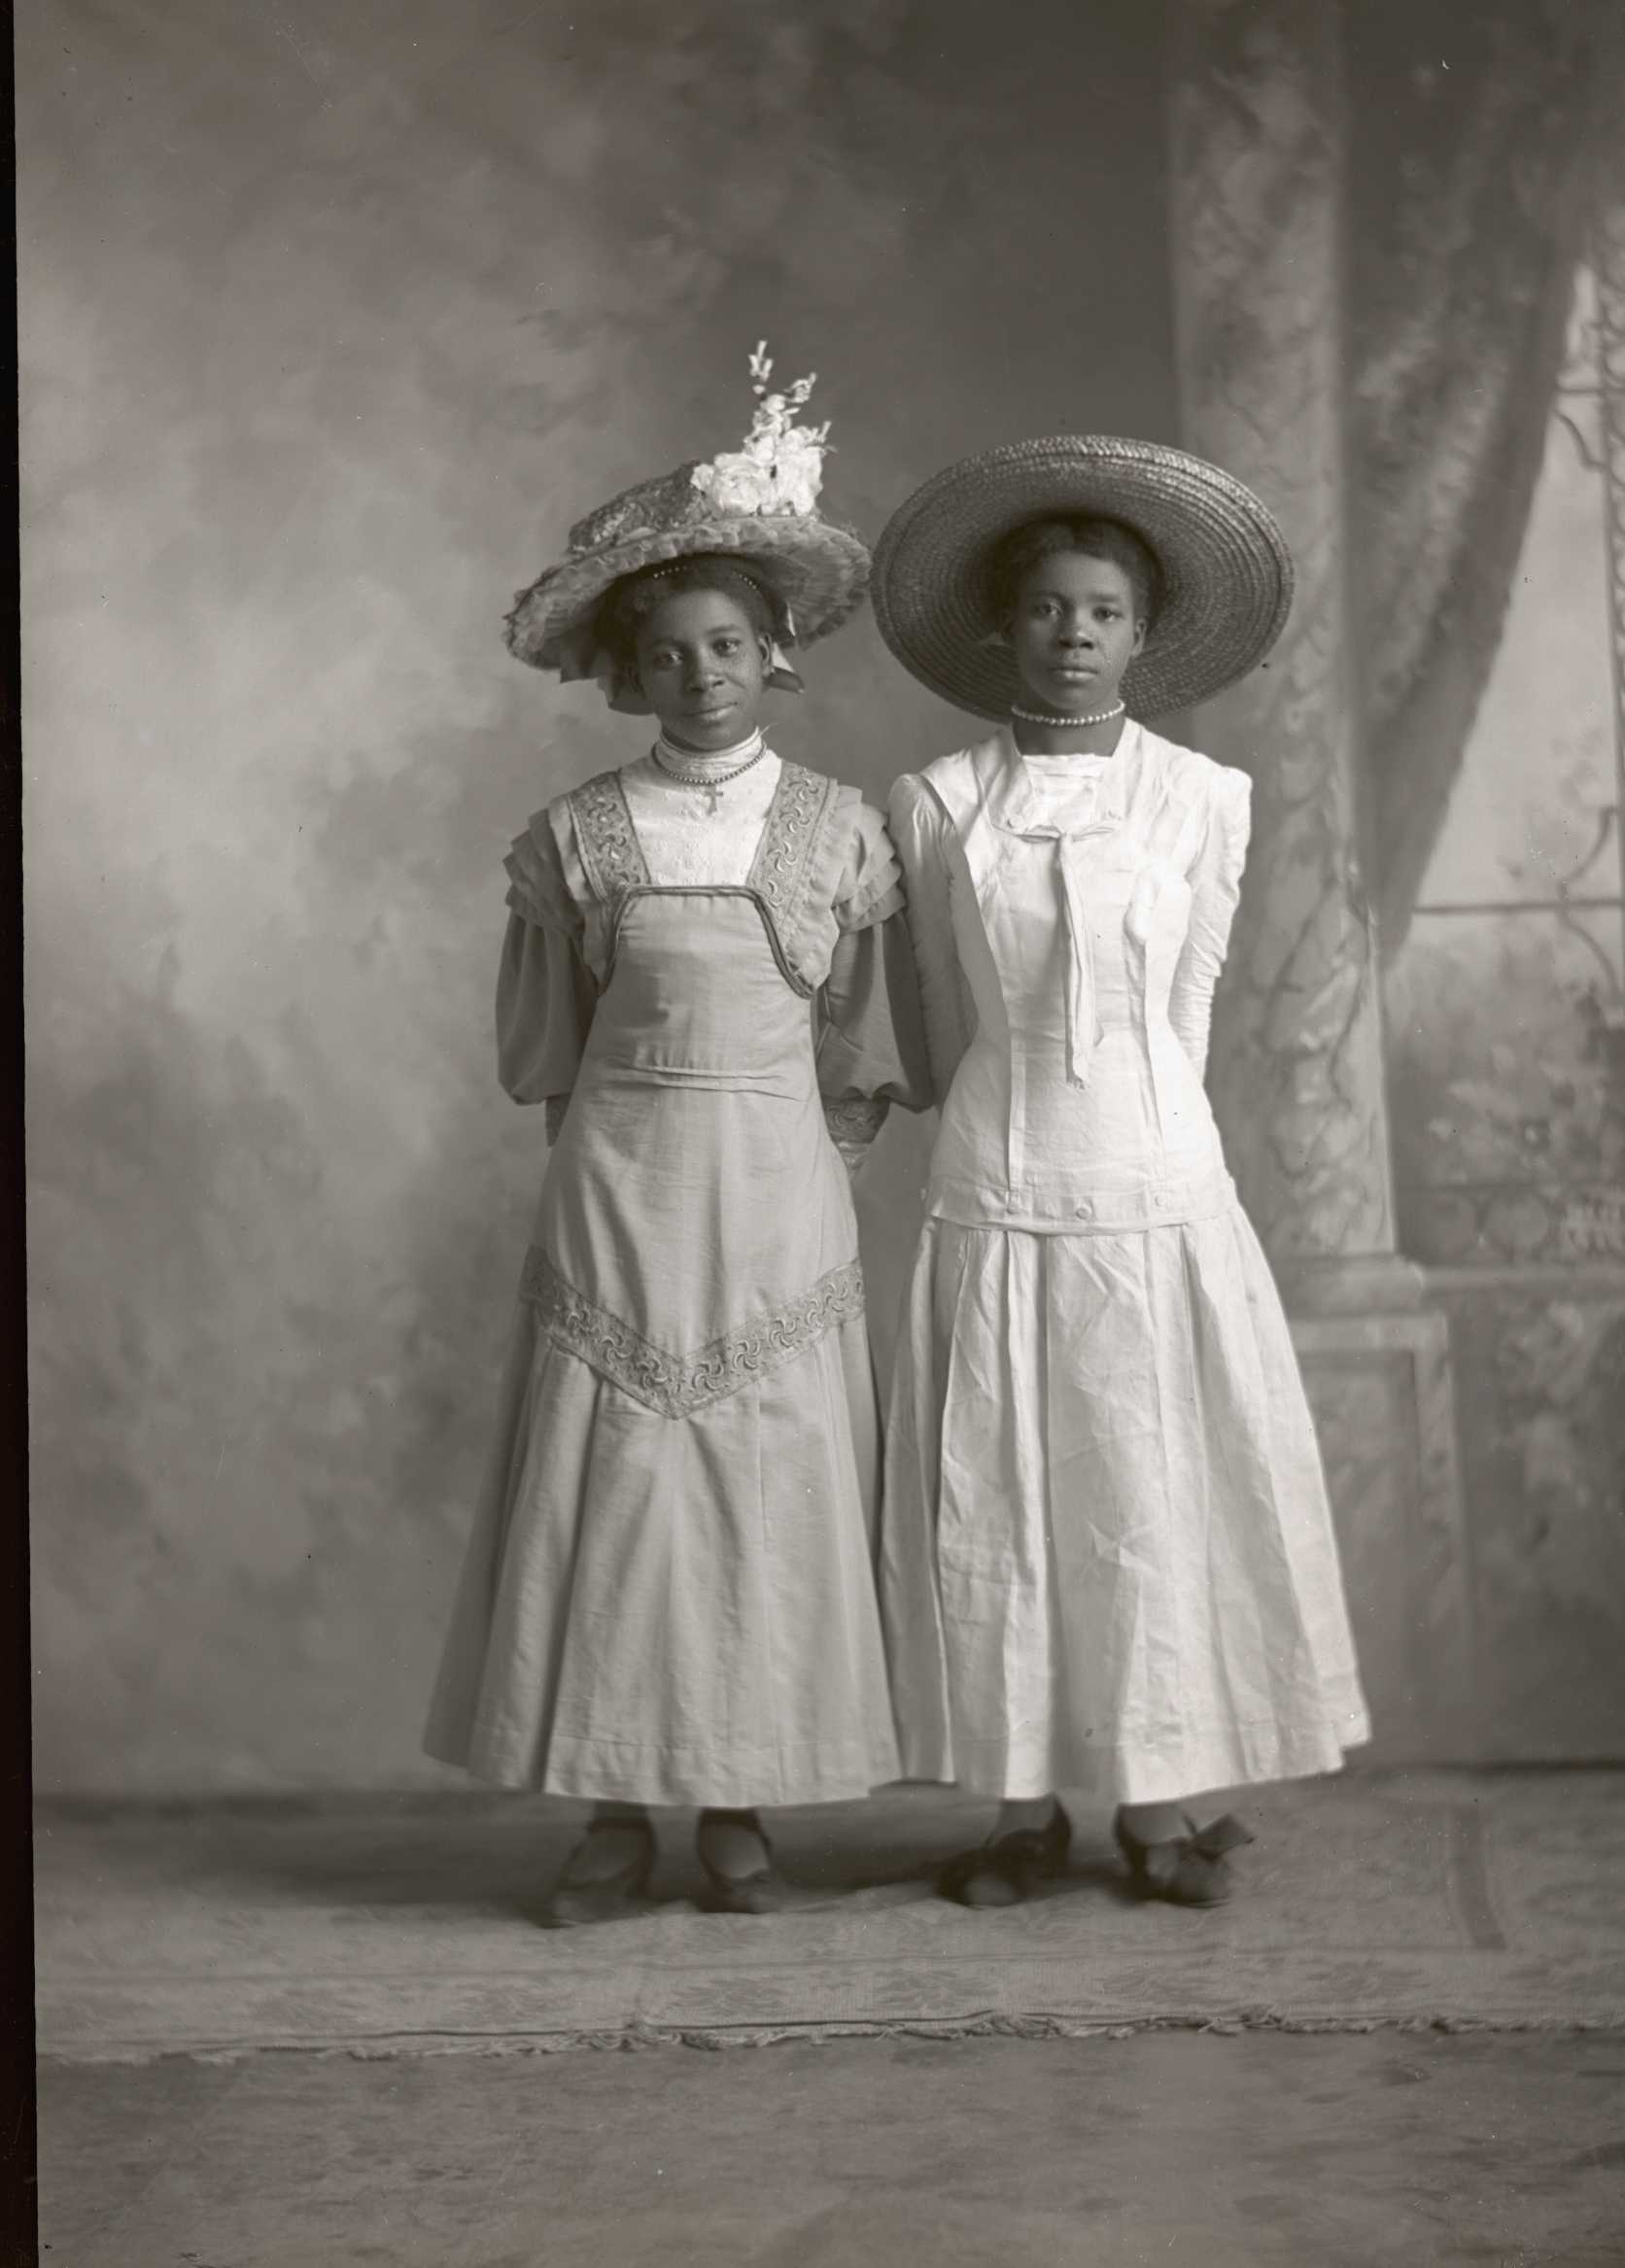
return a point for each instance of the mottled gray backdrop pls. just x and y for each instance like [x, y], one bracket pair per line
[334, 314]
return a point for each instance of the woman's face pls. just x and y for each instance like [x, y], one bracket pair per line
[1074, 632]
[702, 665]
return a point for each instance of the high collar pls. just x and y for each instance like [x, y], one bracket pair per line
[703, 767]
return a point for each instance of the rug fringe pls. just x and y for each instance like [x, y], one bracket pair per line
[639, 2039]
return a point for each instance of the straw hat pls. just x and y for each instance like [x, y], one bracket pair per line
[757, 504]
[1226, 571]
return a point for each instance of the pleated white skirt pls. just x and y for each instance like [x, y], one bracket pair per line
[1108, 1561]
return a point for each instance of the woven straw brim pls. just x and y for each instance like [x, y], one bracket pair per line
[818, 568]
[1227, 569]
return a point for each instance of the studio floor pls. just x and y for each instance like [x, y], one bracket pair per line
[1176, 2149]
[281, 2034]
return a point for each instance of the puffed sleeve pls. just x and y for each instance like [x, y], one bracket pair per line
[545, 993]
[871, 1052]
[1215, 880]
[921, 832]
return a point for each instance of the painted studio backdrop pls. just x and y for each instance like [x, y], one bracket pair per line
[335, 316]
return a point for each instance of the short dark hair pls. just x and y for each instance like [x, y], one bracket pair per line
[1015, 555]
[626, 604]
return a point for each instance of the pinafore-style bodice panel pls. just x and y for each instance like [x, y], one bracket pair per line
[827, 884]
[822, 868]
[695, 1213]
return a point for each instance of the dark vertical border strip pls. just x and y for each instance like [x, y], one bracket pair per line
[19, 2220]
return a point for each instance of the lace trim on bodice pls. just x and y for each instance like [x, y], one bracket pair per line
[779, 869]
[675, 1385]
[614, 864]
[607, 838]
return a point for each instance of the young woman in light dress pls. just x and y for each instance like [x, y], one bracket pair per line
[669, 1596]
[1109, 1562]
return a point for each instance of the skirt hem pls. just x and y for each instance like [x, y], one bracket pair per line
[1131, 1776]
[586, 1780]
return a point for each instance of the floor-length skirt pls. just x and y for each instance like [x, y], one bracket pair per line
[1108, 1560]
[669, 1594]
[665, 1610]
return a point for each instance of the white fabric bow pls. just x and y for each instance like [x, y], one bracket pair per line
[1083, 1020]
[1018, 816]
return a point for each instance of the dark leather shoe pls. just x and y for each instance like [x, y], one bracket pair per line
[578, 1898]
[1008, 1868]
[1190, 1869]
[762, 1891]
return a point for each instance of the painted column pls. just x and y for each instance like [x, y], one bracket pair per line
[1257, 228]
[1609, 256]
[1299, 1078]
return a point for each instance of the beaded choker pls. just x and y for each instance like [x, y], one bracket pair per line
[1103, 716]
[692, 768]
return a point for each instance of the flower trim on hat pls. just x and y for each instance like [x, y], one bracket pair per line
[771, 483]
[778, 470]
[779, 466]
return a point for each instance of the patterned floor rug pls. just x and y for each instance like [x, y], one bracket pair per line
[406, 1926]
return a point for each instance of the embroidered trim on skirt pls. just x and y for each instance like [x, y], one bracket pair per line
[676, 1385]
[674, 1612]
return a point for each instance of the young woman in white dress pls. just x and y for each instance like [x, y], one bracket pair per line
[1108, 1561]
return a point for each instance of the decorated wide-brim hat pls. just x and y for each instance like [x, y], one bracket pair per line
[757, 504]
[1227, 573]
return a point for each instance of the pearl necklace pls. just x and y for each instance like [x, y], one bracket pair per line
[690, 769]
[1105, 716]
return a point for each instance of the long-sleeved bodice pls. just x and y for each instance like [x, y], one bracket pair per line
[816, 859]
[1069, 919]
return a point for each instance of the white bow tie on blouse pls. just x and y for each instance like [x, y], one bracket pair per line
[1022, 816]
